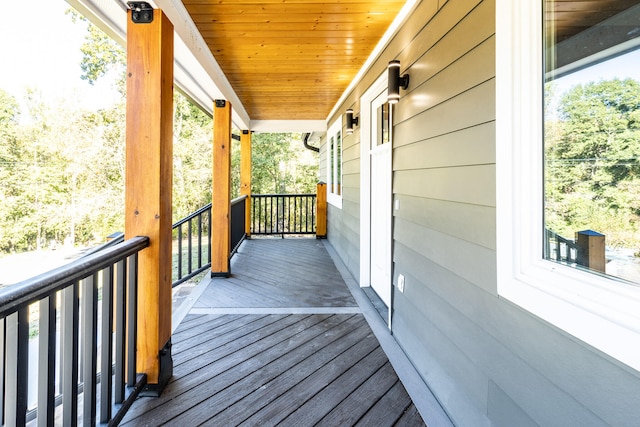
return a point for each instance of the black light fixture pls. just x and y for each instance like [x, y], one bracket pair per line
[396, 82]
[141, 12]
[351, 121]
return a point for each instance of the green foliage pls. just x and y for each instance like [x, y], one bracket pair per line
[192, 158]
[592, 163]
[100, 54]
[62, 169]
[281, 164]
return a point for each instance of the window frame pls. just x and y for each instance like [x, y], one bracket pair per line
[334, 156]
[601, 311]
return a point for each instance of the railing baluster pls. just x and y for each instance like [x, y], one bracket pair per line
[314, 212]
[70, 355]
[132, 310]
[3, 346]
[106, 345]
[209, 237]
[17, 367]
[190, 247]
[260, 215]
[46, 361]
[199, 240]
[179, 252]
[120, 301]
[294, 215]
[89, 343]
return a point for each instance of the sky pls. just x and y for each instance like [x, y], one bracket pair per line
[622, 67]
[40, 48]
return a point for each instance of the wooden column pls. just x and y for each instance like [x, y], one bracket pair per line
[221, 191]
[591, 250]
[321, 211]
[149, 168]
[245, 176]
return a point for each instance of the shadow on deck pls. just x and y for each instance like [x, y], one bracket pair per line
[284, 341]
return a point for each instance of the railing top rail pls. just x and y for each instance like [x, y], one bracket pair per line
[284, 195]
[238, 199]
[559, 238]
[23, 293]
[203, 210]
[192, 215]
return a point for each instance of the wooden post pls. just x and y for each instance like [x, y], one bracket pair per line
[591, 250]
[221, 191]
[321, 211]
[149, 169]
[245, 176]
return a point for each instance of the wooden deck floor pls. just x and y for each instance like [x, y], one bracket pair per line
[281, 342]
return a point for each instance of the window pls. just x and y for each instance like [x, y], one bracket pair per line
[334, 164]
[567, 161]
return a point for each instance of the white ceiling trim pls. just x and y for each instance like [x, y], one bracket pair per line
[189, 34]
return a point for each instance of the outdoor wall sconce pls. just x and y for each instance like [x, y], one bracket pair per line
[141, 12]
[351, 121]
[396, 82]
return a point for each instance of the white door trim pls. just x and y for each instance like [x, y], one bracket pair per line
[365, 178]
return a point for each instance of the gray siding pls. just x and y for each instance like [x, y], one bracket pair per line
[345, 223]
[488, 361]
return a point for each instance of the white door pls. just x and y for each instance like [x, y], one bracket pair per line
[380, 211]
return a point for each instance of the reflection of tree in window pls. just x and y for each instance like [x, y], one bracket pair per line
[592, 134]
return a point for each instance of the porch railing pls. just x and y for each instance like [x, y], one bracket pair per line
[560, 249]
[86, 327]
[238, 214]
[193, 252]
[587, 250]
[283, 214]
[192, 234]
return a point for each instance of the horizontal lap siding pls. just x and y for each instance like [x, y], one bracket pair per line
[444, 181]
[444, 230]
[487, 361]
[344, 224]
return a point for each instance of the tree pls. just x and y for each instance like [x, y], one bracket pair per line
[192, 150]
[100, 54]
[281, 164]
[11, 173]
[592, 161]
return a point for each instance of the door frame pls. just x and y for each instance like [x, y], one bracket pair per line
[365, 184]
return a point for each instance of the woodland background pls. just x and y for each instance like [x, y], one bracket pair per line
[62, 168]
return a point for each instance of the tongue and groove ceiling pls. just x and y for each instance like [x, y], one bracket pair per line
[291, 59]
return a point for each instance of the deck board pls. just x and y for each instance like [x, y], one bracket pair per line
[261, 368]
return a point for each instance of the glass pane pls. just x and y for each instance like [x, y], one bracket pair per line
[331, 164]
[383, 131]
[592, 138]
[339, 163]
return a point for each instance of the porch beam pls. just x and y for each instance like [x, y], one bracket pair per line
[149, 168]
[245, 176]
[221, 189]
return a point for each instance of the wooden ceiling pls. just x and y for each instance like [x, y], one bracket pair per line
[291, 59]
[574, 16]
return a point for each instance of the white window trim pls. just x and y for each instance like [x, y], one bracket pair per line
[601, 311]
[334, 129]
